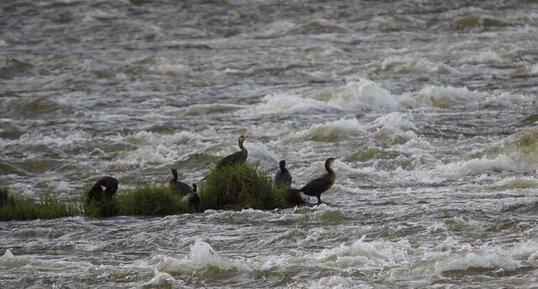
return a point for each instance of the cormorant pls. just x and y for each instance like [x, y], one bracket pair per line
[177, 186]
[283, 177]
[235, 158]
[319, 185]
[96, 192]
[4, 196]
[193, 199]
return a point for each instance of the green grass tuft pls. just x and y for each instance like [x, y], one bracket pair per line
[243, 186]
[94, 209]
[150, 201]
[17, 207]
[238, 187]
[141, 201]
[283, 198]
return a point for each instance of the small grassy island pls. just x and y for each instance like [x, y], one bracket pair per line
[230, 188]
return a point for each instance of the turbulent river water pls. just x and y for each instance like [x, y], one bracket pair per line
[430, 107]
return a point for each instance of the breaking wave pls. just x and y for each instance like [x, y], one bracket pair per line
[518, 152]
[366, 95]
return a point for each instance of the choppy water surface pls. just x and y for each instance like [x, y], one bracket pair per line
[430, 107]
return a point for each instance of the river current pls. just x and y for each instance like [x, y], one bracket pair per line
[430, 108]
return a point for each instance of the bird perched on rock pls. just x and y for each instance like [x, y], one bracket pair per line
[283, 177]
[177, 186]
[97, 193]
[236, 157]
[319, 185]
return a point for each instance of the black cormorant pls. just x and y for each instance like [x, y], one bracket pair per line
[193, 199]
[235, 158]
[4, 196]
[97, 193]
[283, 177]
[177, 186]
[317, 186]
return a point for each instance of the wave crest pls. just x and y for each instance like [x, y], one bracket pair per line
[518, 152]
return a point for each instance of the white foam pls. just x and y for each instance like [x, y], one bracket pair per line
[204, 109]
[486, 56]
[201, 257]
[508, 99]
[442, 97]
[331, 131]
[171, 69]
[533, 69]
[166, 66]
[457, 256]
[367, 255]
[367, 95]
[391, 259]
[413, 64]
[517, 183]
[202, 254]
[158, 154]
[157, 148]
[163, 280]
[260, 153]
[335, 282]
[363, 94]
[7, 254]
[396, 128]
[356, 95]
[153, 138]
[476, 166]
[518, 152]
[276, 28]
[62, 186]
[480, 258]
[527, 251]
[64, 139]
[396, 120]
[100, 14]
[285, 103]
[345, 170]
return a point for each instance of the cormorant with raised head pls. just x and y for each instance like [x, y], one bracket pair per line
[193, 199]
[283, 177]
[235, 158]
[98, 194]
[177, 186]
[319, 185]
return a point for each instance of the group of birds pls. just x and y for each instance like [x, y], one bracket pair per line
[313, 188]
[106, 186]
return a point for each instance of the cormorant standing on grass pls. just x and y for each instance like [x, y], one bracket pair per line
[235, 158]
[317, 186]
[283, 177]
[192, 198]
[177, 186]
[96, 192]
[4, 196]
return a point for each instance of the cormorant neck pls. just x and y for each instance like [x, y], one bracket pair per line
[174, 175]
[241, 145]
[328, 168]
